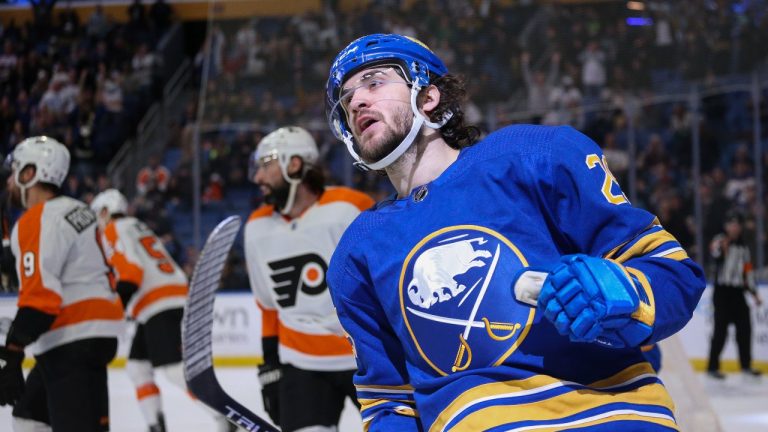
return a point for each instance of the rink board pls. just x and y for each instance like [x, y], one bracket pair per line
[237, 331]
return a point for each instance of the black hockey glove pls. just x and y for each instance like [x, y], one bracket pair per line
[11, 376]
[269, 377]
[126, 290]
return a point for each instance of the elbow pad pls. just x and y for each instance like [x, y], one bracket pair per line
[28, 325]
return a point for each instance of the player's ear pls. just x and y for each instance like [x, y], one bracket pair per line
[27, 173]
[294, 167]
[430, 99]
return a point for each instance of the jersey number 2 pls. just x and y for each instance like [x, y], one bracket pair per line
[609, 180]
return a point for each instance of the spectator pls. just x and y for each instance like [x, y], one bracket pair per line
[8, 61]
[593, 75]
[214, 190]
[153, 178]
[55, 100]
[161, 14]
[143, 67]
[539, 85]
[98, 24]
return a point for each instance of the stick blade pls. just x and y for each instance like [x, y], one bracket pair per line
[197, 327]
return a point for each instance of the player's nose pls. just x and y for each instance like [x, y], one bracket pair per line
[358, 101]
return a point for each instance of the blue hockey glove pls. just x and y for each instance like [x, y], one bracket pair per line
[592, 299]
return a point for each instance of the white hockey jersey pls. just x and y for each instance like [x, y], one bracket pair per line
[62, 272]
[287, 261]
[139, 257]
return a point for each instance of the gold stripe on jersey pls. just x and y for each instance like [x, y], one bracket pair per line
[646, 312]
[565, 405]
[646, 244]
[406, 388]
[677, 256]
[607, 417]
[570, 403]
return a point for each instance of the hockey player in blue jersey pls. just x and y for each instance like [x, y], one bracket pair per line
[508, 284]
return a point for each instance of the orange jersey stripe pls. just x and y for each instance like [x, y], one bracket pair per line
[356, 198]
[32, 292]
[126, 270]
[317, 345]
[146, 391]
[159, 294]
[263, 211]
[89, 310]
[268, 321]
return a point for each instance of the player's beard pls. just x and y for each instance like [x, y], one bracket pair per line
[377, 149]
[278, 195]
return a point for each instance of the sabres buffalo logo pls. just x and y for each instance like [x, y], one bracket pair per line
[457, 301]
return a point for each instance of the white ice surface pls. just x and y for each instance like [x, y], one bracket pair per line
[741, 403]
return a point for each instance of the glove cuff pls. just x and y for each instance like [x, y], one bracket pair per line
[270, 376]
[8, 354]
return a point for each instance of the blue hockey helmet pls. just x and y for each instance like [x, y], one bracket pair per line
[417, 61]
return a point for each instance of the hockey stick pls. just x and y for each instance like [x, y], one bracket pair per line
[197, 325]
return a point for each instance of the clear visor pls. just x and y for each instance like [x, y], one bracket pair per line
[257, 162]
[372, 80]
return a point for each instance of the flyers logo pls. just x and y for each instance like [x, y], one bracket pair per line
[305, 273]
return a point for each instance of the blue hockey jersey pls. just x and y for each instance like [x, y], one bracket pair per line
[423, 287]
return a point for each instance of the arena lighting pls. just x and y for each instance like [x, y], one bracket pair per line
[636, 5]
[639, 21]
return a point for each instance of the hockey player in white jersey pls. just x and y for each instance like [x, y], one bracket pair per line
[69, 317]
[308, 365]
[153, 289]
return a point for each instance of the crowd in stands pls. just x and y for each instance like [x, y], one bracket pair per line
[578, 64]
[87, 84]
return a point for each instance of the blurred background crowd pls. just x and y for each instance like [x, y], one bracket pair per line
[168, 108]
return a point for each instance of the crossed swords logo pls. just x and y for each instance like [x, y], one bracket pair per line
[464, 350]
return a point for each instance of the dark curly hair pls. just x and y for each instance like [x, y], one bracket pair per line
[452, 93]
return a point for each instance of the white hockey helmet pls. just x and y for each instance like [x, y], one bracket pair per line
[285, 143]
[112, 200]
[50, 158]
[282, 145]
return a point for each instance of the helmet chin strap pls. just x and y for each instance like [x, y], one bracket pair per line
[293, 187]
[24, 187]
[418, 120]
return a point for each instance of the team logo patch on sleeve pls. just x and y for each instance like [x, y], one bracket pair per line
[81, 218]
[456, 300]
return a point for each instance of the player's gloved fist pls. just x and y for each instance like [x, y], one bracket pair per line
[269, 377]
[592, 299]
[11, 376]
